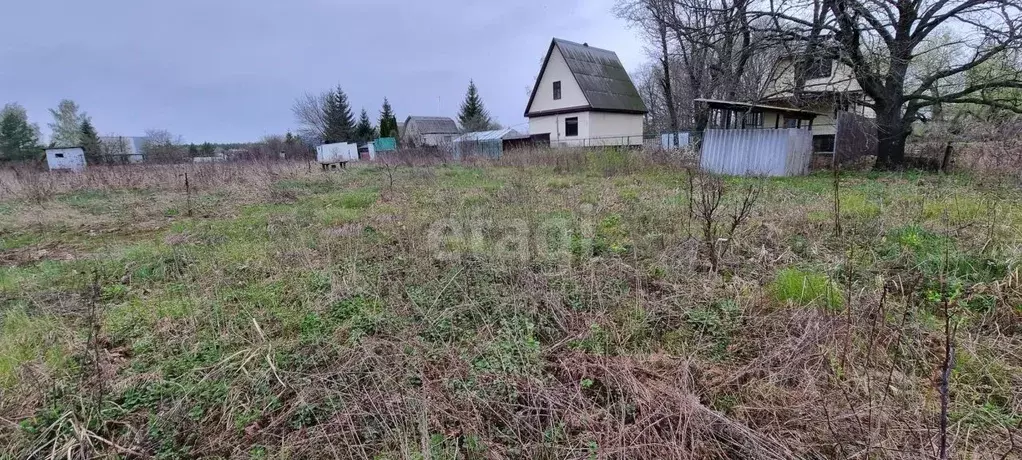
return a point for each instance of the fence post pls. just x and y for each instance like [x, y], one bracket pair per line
[188, 195]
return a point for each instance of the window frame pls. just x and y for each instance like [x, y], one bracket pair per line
[58, 155]
[824, 139]
[557, 90]
[567, 123]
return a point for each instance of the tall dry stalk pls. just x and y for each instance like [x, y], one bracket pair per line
[949, 351]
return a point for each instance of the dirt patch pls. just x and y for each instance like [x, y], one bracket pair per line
[37, 253]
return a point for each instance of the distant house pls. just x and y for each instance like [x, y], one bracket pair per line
[429, 131]
[122, 149]
[65, 159]
[584, 97]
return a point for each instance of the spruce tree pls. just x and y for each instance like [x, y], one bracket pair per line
[388, 122]
[364, 131]
[340, 124]
[19, 140]
[473, 116]
[89, 140]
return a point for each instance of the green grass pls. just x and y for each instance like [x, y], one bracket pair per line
[28, 338]
[805, 288]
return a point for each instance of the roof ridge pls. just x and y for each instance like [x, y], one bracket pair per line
[585, 45]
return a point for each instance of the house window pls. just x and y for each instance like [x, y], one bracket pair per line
[571, 126]
[791, 123]
[557, 90]
[823, 143]
[58, 155]
[815, 68]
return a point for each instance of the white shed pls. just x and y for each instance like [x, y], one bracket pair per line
[68, 159]
[339, 152]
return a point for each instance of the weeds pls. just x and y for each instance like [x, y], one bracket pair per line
[301, 314]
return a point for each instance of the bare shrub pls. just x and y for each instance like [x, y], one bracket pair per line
[719, 229]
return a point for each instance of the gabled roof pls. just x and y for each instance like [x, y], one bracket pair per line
[601, 76]
[432, 125]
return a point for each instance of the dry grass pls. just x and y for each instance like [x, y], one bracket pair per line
[30, 184]
[305, 314]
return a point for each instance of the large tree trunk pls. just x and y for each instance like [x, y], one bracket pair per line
[891, 135]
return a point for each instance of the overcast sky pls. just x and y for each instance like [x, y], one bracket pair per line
[229, 70]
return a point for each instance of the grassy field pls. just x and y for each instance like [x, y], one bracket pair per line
[587, 308]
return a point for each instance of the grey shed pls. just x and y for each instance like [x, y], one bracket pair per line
[431, 125]
[601, 76]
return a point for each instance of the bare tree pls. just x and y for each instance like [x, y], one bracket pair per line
[114, 149]
[650, 15]
[310, 113]
[880, 41]
[708, 48]
[160, 146]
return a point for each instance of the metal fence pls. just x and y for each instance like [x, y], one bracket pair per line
[608, 141]
[757, 152]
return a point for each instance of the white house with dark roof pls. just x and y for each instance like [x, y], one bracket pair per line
[584, 97]
[429, 131]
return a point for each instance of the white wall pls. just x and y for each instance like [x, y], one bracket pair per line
[594, 128]
[554, 124]
[72, 159]
[571, 93]
[615, 128]
[841, 79]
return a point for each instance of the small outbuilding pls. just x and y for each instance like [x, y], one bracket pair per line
[429, 131]
[65, 159]
[485, 143]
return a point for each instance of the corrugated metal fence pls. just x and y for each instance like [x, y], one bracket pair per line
[757, 152]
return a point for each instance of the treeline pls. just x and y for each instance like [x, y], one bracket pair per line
[327, 117]
[21, 140]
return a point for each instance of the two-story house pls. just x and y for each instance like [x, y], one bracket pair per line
[584, 97]
[801, 93]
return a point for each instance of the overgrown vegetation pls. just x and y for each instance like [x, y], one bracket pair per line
[562, 305]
